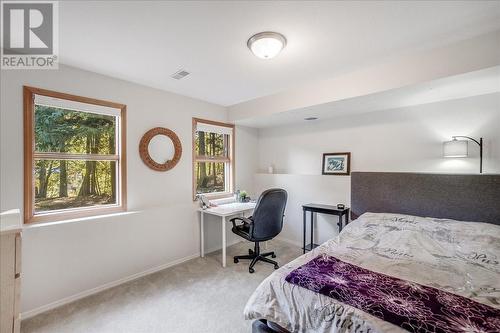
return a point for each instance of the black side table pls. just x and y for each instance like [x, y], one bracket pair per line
[322, 209]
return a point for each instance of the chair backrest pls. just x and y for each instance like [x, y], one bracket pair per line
[268, 214]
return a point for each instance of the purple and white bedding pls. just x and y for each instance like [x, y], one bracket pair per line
[406, 304]
[457, 263]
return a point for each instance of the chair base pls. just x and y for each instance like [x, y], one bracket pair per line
[255, 256]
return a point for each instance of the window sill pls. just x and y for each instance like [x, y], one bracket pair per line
[215, 196]
[34, 225]
[74, 213]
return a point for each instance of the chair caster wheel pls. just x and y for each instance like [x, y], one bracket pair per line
[251, 270]
[236, 260]
[250, 252]
[276, 266]
[273, 256]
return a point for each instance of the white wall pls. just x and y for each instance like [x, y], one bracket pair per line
[62, 260]
[247, 145]
[66, 259]
[408, 139]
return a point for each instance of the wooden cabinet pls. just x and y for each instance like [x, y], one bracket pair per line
[10, 271]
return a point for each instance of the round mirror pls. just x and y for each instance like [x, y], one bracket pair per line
[160, 149]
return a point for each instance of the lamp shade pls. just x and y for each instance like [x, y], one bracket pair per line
[266, 45]
[455, 148]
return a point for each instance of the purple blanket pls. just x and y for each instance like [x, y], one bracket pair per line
[409, 305]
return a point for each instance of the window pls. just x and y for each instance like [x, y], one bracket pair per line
[74, 156]
[213, 158]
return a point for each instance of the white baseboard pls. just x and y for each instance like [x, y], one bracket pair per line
[75, 297]
[66, 300]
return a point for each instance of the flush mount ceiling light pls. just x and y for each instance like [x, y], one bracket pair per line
[266, 45]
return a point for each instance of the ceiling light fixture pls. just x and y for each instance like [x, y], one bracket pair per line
[266, 45]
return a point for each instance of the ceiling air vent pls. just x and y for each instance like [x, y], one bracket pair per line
[180, 74]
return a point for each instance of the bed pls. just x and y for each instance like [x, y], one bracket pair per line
[390, 236]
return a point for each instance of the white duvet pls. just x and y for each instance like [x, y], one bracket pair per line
[459, 257]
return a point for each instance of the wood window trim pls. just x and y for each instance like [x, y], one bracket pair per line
[231, 159]
[30, 156]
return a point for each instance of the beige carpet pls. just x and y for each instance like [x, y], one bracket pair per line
[196, 296]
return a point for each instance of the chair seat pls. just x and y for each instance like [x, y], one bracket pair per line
[242, 230]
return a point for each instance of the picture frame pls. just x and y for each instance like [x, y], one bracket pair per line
[336, 164]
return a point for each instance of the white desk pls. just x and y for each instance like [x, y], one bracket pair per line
[223, 211]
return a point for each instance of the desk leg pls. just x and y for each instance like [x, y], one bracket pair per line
[312, 230]
[340, 223]
[223, 241]
[202, 235]
[304, 233]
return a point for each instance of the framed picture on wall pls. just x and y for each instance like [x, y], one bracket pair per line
[337, 164]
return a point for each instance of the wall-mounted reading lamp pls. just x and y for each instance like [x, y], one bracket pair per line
[459, 148]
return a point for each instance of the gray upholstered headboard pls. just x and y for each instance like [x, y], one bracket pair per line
[459, 197]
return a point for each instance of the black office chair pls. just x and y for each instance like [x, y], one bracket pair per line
[265, 224]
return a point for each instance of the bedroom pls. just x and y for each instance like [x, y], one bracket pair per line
[390, 83]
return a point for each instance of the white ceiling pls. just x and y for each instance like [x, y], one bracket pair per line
[145, 42]
[481, 82]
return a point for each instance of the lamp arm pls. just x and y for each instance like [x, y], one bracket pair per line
[468, 137]
[480, 144]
